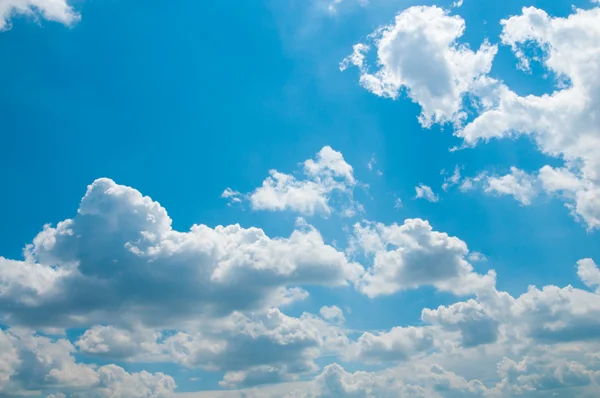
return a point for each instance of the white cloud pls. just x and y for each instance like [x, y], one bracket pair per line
[326, 176]
[399, 344]
[564, 123]
[332, 314]
[31, 363]
[589, 273]
[425, 192]
[518, 184]
[453, 179]
[428, 382]
[232, 196]
[412, 255]
[419, 52]
[257, 349]
[52, 10]
[119, 260]
[118, 269]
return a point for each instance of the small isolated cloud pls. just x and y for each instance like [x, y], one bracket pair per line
[334, 5]
[425, 192]
[371, 162]
[518, 184]
[452, 180]
[324, 179]
[332, 314]
[398, 203]
[371, 165]
[232, 196]
[51, 10]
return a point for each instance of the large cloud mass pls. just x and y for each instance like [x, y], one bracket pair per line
[119, 260]
[212, 299]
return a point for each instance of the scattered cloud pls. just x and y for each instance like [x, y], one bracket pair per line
[562, 123]
[518, 184]
[232, 196]
[425, 192]
[327, 177]
[332, 314]
[452, 180]
[51, 10]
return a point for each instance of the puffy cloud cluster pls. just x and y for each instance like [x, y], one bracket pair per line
[563, 123]
[257, 349]
[325, 177]
[120, 271]
[540, 344]
[30, 362]
[52, 10]
[119, 260]
[419, 53]
[412, 255]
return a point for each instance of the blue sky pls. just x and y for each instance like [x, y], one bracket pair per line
[338, 264]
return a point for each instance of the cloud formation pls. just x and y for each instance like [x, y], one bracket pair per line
[411, 255]
[327, 177]
[52, 10]
[118, 260]
[31, 362]
[419, 52]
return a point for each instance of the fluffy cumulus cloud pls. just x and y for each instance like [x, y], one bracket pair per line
[252, 349]
[419, 53]
[518, 184]
[398, 344]
[411, 255]
[333, 313]
[31, 362]
[543, 343]
[119, 259]
[120, 272]
[327, 177]
[52, 10]
[564, 122]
